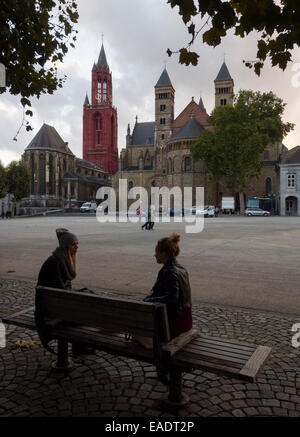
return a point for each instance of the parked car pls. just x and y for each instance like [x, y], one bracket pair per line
[256, 211]
[175, 210]
[100, 208]
[88, 207]
[207, 210]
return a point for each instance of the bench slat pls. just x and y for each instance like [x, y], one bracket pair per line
[234, 344]
[257, 360]
[113, 344]
[218, 352]
[225, 349]
[116, 314]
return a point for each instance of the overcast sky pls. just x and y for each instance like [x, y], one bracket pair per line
[137, 34]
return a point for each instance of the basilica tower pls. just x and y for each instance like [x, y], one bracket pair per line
[223, 87]
[100, 120]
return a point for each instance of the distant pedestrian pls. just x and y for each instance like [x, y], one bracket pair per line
[217, 211]
[151, 218]
[147, 224]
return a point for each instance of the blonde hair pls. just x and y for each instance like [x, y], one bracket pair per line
[169, 245]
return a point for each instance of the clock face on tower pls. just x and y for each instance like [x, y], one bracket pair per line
[98, 97]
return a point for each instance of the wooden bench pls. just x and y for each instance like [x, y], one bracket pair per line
[101, 322]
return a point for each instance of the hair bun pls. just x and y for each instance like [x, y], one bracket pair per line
[175, 237]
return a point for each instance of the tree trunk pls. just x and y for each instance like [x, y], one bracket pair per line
[242, 202]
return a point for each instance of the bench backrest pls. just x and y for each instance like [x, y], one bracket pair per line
[112, 314]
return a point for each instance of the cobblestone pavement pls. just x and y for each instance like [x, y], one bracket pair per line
[104, 385]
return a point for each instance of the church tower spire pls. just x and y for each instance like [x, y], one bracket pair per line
[223, 87]
[100, 120]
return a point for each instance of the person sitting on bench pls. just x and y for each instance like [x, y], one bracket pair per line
[58, 271]
[172, 286]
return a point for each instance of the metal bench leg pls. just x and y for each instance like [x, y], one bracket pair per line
[63, 363]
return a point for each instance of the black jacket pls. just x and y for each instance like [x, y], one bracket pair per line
[172, 287]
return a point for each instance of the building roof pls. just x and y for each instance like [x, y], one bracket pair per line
[87, 178]
[48, 138]
[143, 134]
[292, 156]
[191, 129]
[201, 104]
[102, 58]
[164, 80]
[84, 163]
[223, 73]
[86, 101]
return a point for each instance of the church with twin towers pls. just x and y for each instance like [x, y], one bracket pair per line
[157, 153]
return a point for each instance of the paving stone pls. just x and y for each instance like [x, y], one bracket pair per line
[106, 385]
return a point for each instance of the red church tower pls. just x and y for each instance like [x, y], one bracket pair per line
[100, 120]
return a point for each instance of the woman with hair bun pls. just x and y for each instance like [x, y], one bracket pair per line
[172, 286]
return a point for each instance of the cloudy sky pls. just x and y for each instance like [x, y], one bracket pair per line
[137, 34]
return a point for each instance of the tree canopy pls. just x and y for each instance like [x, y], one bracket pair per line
[232, 152]
[18, 179]
[2, 180]
[276, 21]
[34, 35]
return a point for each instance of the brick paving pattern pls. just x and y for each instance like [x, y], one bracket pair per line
[105, 385]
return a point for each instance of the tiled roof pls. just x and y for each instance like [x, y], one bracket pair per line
[191, 129]
[102, 58]
[48, 138]
[164, 80]
[292, 156]
[143, 134]
[223, 73]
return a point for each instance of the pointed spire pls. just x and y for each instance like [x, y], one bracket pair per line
[86, 101]
[102, 58]
[223, 73]
[128, 129]
[94, 67]
[164, 80]
[201, 104]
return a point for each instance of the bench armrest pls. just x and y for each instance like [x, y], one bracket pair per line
[179, 342]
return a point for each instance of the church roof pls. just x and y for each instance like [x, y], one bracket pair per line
[48, 138]
[143, 134]
[94, 67]
[201, 104]
[86, 101]
[191, 129]
[102, 58]
[223, 73]
[83, 163]
[164, 79]
[292, 156]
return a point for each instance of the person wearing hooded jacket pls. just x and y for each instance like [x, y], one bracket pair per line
[58, 271]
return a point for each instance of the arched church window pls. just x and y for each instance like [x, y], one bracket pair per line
[187, 164]
[42, 174]
[32, 173]
[104, 90]
[99, 91]
[268, 186]
[51, 174]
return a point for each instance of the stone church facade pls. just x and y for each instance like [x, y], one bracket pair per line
[58, 177]
[158, 153]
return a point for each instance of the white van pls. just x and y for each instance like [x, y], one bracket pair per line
[88, 207]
